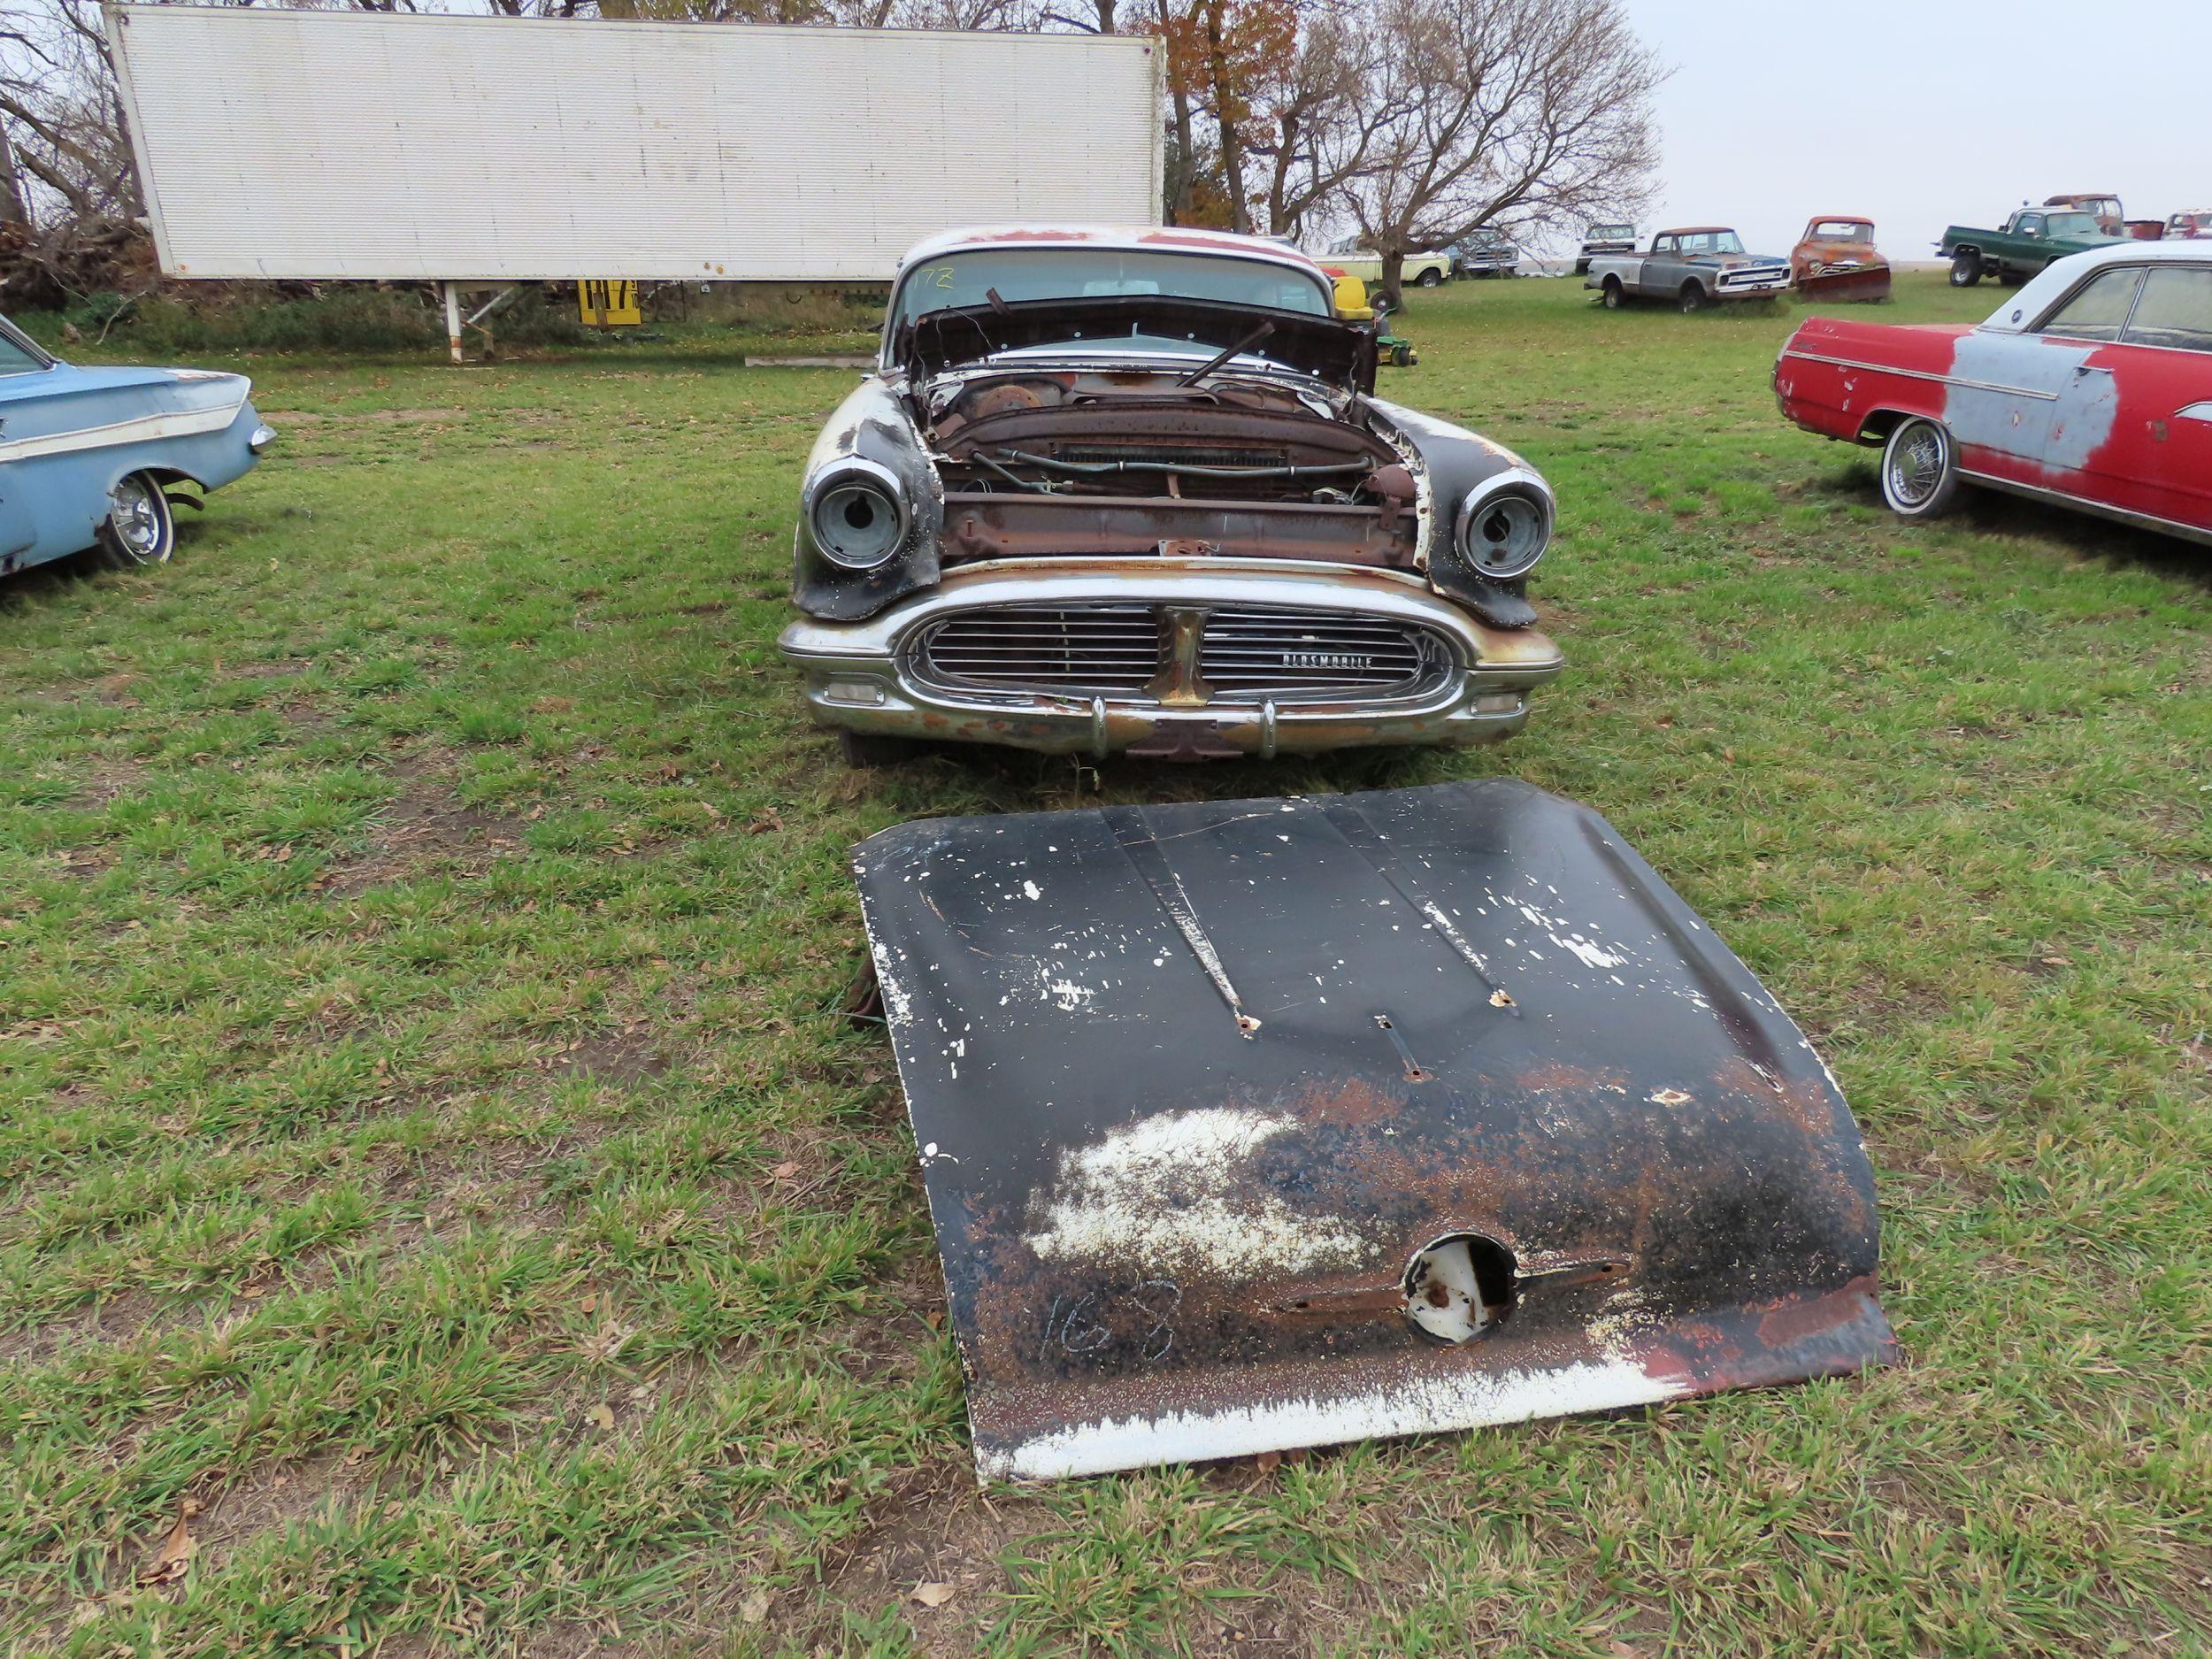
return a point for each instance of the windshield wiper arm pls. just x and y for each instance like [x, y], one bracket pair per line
[1215, 362]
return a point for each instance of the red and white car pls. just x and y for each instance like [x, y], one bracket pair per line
[2091, 388]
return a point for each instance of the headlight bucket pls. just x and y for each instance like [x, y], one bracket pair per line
[857, 514]
[1504, 525]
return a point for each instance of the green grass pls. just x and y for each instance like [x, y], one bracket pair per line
[430, 1146]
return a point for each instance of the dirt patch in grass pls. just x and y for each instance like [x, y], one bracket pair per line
[424, 828]
[939, 1527]
[619, 1059]
[271, 1497]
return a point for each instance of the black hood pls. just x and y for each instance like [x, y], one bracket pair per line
[1340, 353]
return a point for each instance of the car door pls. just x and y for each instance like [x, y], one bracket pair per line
[1662, 271]
[21, 364]
[2162, 447]
[2032, 407]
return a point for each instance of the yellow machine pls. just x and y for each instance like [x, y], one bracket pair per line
[1353, 305]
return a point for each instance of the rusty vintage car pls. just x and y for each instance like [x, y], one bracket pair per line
[1836, 259]
[1131, 490]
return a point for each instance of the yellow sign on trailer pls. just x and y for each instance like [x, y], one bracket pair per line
[608, 302]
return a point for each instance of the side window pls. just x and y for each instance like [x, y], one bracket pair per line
[2176, 311]
[2029, 225]
[1667, 244]
[16, 360]
[2097, 310]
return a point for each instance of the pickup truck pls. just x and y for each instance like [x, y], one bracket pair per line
[2031, 239]
[1692, 268]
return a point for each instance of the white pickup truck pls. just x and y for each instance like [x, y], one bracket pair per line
[1693, 268]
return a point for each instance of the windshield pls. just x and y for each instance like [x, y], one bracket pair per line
[1612, 233]
[2071, 225]
[1842, 230]
[1711, 242]
[960, 280]
[17, 355]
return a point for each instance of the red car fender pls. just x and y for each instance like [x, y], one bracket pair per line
[1847, 380]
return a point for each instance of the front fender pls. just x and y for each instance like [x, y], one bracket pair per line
[872, 425]
[1449, 463]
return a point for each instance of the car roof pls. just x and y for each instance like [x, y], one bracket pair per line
[1123, 238]
[1696, 230]
[1838, 218]
[2058, 277]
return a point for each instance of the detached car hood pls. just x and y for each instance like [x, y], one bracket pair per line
[1327, 348]
[1262, 1123]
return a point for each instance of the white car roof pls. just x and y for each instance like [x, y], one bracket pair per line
[2042, 291]
[1124, 238]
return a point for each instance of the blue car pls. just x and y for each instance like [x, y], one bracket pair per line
[87, 457]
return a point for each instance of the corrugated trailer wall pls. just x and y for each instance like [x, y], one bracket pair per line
[336, 145]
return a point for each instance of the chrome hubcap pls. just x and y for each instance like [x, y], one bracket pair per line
[136, 519]
[1916, 468]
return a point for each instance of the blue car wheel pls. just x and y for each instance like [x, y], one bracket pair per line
[141, 527]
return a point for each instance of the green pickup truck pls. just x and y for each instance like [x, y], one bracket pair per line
[2031, 240]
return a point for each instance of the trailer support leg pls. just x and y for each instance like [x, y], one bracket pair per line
[453, 321]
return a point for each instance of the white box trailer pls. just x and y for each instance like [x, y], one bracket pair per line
[397, 146]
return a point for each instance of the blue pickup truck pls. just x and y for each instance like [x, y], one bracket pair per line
[89, 456]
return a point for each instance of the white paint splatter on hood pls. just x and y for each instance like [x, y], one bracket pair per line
[1171, 1194]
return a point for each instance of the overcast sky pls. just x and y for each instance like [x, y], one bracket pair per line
[1921, 113]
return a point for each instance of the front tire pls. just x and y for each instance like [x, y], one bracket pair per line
[1966, 270]
[1614, 296]
[1691, 299]
[1920, 471]
[1429, 278]
[140, 528]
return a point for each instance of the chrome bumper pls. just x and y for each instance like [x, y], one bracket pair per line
[859, 675]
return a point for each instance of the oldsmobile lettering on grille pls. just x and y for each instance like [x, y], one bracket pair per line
[1326, 659]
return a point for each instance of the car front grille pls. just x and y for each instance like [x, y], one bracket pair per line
[1144, 653]
[1113, 650]
[1762, 277]
[1264, 651]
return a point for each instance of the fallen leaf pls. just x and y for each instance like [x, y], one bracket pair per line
[602, 1418]
[1267, 1463]
[784, 1172]
[933, 1593]
[1499, 998]
[176, 1549]
[754, 1608]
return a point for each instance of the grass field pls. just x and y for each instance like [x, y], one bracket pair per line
[434, 1171]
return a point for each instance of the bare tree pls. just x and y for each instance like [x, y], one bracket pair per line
[1315, 126]
[1532, 113]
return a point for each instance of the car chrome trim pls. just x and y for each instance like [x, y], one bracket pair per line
[2119, 515]
[2195, 412]
[1922, 374]
[1485, 660]
[141, 429]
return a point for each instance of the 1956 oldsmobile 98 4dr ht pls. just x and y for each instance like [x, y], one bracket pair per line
[87, 456]
[1132, 491]
[2091, 388]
